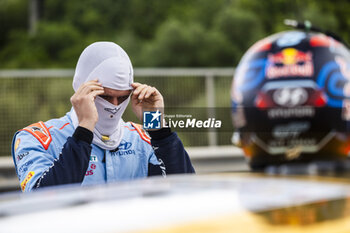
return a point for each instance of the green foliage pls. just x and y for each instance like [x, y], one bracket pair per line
[56, 45]
[155, 33]
[13, 15]
[61, 42]
[175, 45]
[233, 23]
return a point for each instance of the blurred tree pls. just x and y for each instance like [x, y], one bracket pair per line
[61, 41]
[198, 32]
[233, 23]
[13, 16]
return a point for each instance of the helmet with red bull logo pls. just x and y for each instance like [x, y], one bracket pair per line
[291, 100]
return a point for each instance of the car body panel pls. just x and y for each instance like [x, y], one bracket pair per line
[241, 202]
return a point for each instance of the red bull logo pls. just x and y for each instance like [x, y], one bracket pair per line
[290, 62]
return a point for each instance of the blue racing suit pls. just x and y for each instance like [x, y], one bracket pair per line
[54, 153]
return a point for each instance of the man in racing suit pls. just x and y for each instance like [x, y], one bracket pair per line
[91, 144]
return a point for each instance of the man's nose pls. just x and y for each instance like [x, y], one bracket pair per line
[114, 101]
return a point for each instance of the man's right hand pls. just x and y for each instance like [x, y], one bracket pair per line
[83, 102]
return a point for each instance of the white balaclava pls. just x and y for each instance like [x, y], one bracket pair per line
[109, 63]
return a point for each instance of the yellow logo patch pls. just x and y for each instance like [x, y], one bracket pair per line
[17, 143]
[26, 180]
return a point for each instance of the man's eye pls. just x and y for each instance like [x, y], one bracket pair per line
[122, 99]
[106, 97]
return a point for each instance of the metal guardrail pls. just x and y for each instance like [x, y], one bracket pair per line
[204, 159]
[141, 72]
[217, 159]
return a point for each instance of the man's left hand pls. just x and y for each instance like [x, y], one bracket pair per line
[145, 97]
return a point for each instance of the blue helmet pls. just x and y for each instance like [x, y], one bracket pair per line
[291, 99]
